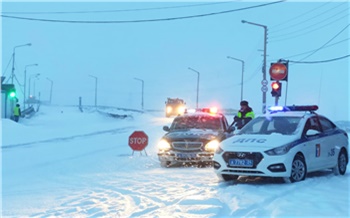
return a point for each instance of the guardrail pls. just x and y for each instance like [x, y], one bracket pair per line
[29, 112]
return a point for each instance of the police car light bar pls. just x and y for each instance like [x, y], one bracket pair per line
[293, 108]
[303, 108]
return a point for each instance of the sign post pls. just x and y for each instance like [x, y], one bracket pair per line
[138, 141]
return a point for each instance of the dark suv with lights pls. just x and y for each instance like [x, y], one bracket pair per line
[192, 138]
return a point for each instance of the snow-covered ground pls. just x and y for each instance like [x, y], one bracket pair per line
[64, 163]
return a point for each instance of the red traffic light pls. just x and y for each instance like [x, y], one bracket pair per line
[275, 85]
[276, 89]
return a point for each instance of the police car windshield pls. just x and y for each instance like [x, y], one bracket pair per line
[269, 125]
[196, 122]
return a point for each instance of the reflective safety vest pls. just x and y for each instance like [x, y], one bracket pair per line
[17, 111]
[249, 114]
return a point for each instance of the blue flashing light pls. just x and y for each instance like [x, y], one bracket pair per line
[277, 108]
[273, 109]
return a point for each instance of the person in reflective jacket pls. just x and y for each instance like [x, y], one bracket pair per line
[16, 112]
[245, 114]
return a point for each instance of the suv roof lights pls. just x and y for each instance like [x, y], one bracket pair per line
[212, 110]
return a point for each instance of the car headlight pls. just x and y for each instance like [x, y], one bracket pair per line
[212, 145]
[181, 110]
[163, 145]
[281, 150]
[169, 109]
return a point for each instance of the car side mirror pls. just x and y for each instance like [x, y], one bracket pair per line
[231, 129]
[312, 132]
[166, 128]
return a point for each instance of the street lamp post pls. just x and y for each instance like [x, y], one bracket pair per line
[50, 89]
[34, 90]
[25, 82]
[197, 85]
[95, 89]
[242, 73]
[33, 75]
[264, 67]
[142, 91]
[13, 59]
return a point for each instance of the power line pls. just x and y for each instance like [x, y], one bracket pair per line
[313, 25]
[310, 31]
[317, 62]
[304, 21]
[316, 49]
[141, 21]
[7, 66]
[121, 10]
[299, 16]
[325, 43]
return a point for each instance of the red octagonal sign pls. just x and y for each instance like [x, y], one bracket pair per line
[138, 140]
[278, 71]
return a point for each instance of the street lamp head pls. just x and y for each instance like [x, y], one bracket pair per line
[243, 21]
[29, 44]
[31, 65]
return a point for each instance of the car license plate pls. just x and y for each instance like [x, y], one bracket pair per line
[241, 162]
[186, 156]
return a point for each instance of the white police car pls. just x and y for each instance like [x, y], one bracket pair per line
[288, 142]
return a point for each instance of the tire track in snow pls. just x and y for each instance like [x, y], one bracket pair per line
[155, 194]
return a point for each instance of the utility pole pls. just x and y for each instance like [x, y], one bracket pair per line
[50, 89]
[142, 90]
[95, 89]
[197, 84]
[25, 83]
[264, 81]
[242, 73]
[13, 59]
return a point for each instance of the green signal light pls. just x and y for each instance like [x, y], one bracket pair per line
[12, 94]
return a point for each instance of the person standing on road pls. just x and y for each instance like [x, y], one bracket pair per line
[245, 114]
[16, 112]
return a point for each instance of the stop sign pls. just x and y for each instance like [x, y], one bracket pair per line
[138, 140]
[278, 71]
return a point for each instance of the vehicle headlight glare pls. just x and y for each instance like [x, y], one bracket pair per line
[181, 110]
[281, 150]
[212, 145]
[163, 145]
[169, 109]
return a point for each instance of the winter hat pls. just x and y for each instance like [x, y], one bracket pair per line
[244, 103]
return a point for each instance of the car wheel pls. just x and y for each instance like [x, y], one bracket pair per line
[340, 168]
[298, 172]
[229, 177]
[164, 163]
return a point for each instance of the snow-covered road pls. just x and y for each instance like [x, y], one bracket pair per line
[80, 165]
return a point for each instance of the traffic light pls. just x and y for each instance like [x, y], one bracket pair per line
[12, 93]
[276, 89]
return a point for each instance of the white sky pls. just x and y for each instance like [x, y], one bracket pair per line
[161, 52]
[71, 164]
